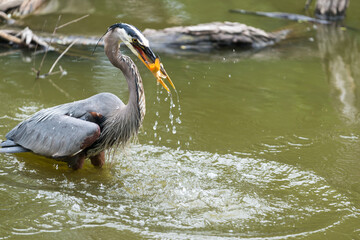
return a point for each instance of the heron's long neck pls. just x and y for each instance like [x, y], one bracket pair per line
[136, 103]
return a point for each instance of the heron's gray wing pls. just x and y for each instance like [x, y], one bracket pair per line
[9, 146]
[55, 136]
[66, 129]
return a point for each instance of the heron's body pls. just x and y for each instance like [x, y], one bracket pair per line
[74, 131]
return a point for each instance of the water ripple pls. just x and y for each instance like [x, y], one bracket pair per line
[157, 192]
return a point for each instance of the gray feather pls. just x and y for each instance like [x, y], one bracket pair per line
[55, 136]
[8, 143]
[63, 130]
[14, 149]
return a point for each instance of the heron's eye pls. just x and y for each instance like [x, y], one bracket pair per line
[135, 40]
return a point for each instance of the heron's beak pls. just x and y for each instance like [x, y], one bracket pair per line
[152, 62]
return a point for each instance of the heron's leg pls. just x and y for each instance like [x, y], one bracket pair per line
[76, 162]
[98, 160]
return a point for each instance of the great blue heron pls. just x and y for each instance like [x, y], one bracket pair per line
[83, 129]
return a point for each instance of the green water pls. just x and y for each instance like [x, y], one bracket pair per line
[259, 145]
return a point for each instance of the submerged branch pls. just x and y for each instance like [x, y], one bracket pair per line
[283, 15]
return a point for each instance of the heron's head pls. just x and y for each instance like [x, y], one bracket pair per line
[139, 45]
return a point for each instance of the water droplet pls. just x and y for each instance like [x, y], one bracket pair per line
[171, 116]
[229, 75]
[155, 125]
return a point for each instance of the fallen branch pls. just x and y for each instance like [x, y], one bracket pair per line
[6, 18]
[282, 15]
[61, 55]
[201, 37]
[27, 36]
[204, 37]
[10, 38]
[27, 7]
[73, 21]
[24, 38]
[21, 8]
[45, 54]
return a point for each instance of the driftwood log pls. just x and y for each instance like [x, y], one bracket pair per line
[23, 38]
[202, 37]
[213, 35]
[20, 8]
[331, 9]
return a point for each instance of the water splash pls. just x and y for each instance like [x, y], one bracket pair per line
[157, 191]
[174, 116]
